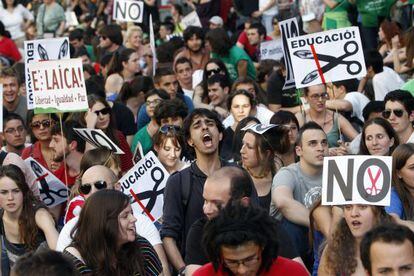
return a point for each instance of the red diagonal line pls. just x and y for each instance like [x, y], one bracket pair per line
[374, 181]
[41, 177]
[315, 57]
[141, 205]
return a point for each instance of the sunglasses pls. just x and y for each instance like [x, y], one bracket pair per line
[213, 72]
[87, 187]
[387, 113]
[104, 111]
[167, 128]
[45, 123]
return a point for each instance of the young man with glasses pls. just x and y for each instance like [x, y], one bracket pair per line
[242, 240]
[14, 133]
[399, 107]
[12, 101]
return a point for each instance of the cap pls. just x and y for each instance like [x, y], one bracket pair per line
[216, 20]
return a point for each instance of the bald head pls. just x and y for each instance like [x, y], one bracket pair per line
[99, 173]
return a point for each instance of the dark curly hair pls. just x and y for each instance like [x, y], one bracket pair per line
[237, 225]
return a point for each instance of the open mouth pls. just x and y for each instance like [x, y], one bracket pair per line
[207, 140]
[356, 223]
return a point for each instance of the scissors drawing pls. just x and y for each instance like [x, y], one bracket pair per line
[353, 67]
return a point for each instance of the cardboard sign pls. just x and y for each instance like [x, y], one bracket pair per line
[128, 11]
[271, 50]
[52, 191]
[191, 19]
[138, 153]
[259, 128]
[327, 56]
[145, 184]
[98, 138]
[357, 180]
[153, 48]
[58, 86]
[42, 49]
[288, 28]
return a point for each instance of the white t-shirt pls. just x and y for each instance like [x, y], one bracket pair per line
[145, 228]
[358, 102]
[386, 81]
[13, 21]
[272, 11]
[263, 114]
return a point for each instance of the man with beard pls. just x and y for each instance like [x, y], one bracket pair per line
[71, 147]
[183, 194]
[14, 133]
[194, 48]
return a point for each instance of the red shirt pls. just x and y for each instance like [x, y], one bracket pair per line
[35, 151]
[60, 174]
[250, 49]
[281, 266]
[9, 49]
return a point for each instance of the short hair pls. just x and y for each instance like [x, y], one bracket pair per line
[350, 85]
[241, 184]
[44, 263]
[168, 25]
[373, 58]
[9, 73]
[12, 116]
[363, 149]
[388, 233]
[371, 107]
[307, 126]
[237, 225]
[182, 60]
[76, 34]
[219, 41]
[243, 92]
[401, 96]
[70, 134]
[170, 108]
[259, 27]
[220, 79]
[160, 92]
[113, 32]
[162, 72]
[81, 51]
[190, 31]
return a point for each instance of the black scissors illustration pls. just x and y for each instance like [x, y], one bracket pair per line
[44, 189]
[353, 67]
[154, 193]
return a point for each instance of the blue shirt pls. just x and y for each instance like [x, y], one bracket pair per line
[396, 205]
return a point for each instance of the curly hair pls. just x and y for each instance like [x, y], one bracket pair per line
[343, 245]
[237, 225]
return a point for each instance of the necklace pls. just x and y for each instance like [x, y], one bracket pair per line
[324, 120]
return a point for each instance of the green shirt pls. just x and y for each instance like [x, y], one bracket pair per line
[370, 10]
[232, 59]
[409, 86]
[337, 17]
[144, 138]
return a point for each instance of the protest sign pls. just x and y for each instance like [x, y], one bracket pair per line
[52, 191]
[138, 153]
[152, 46]
[327, 56]
[145, 183]
[128, 11]
[98, 138]
[288, 28]
[71, 19]
[42, 49]
[271, 50]
[58, 86]
[191, 19]
[357, 180]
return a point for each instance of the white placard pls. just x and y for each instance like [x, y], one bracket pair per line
[42, 49]
[98, 138]
[271, 50]
[357, 179]
[191, 19]
[153, 48]
[128, 11]
[58, 86]
[52, 191]
[145, 184]
[339, 56]
[288, 28]
[71, 19]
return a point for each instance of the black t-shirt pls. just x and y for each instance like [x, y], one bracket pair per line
[195, 253]
[124, 119]
[226, 149]
[276, 94]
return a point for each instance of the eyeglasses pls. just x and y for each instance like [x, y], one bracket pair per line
[19, 129]
[104, 111]
[248, 262]
[87, 187]
[166, 128]
[154, 102]
[387, 113]
[323, 96]
[213, 72]
[45, 123]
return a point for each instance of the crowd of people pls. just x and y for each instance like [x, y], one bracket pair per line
[244, 154]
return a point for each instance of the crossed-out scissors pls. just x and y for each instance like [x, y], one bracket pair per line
[353, 67]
